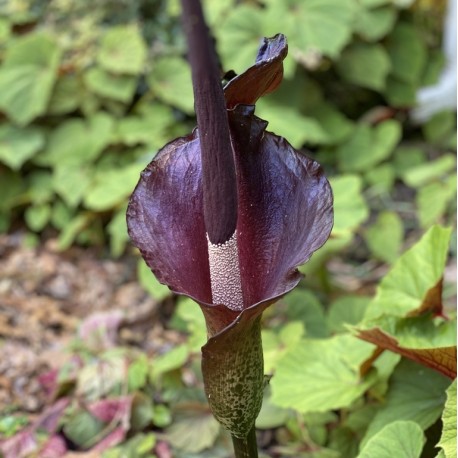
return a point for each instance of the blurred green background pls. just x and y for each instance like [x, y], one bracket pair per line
[90, 91]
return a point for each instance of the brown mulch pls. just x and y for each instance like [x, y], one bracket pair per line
[44, 296]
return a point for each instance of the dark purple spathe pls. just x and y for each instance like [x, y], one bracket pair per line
[284, 202]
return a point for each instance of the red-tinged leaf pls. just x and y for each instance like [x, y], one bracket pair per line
[107, 410]
[442, 359]
[100, 330]
[54, 447]
[49, 382]
[50, 418]
[115, 437]
[20, 445]
[260, 79]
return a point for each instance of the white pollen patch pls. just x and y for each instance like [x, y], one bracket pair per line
[225, 279]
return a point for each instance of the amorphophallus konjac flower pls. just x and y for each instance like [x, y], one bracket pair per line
[226, 215]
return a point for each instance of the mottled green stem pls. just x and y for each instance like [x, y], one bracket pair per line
[246, 448]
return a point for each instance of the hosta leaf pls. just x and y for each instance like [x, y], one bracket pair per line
[413, 285]
[384, 238]
[415, 393]
[402, 439]
[350, 208]
[19, 144]
[109, 85]
[27, 76]
[122, 50]
[368, 145]
[448, 438]
[374, 24]
[366, 65]
[170, 80]
[320, 375]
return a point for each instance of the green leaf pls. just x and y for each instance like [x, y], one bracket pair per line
[150, 283]
[82, 428]
[336, 126]
[365, 65]
[406, 157]
[321, 375]
[416, 393]
[194, 322]
[122, 50]
[429, 171]
[346, 310]
[277, 344]
[291, 124]
[77, 142]
[11, 187]
[381, 178]
[109, 85]
[368, 146]
[350, 208]
[407, 53]
[137, 374]
[302, 305]
[111, 187]
[150, 126]
[117, 228]
[433, 199]
[39, 186]
[270, 415]
[172, 360]
[193, 429]
[71, 182]
[448, 437]
[421, 339]
[17, 145]
[440, 127]
[27, 76]
[400, 94]
[37, 216]
[411, 286]
[319, 25]
[240, 35]
[402, 439]
[384, 237]
[66, 95]
[374, 24]
[170, 80]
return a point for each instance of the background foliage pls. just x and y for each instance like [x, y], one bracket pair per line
[90, 91]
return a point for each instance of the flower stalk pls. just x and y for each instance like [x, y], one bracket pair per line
[225, 215]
